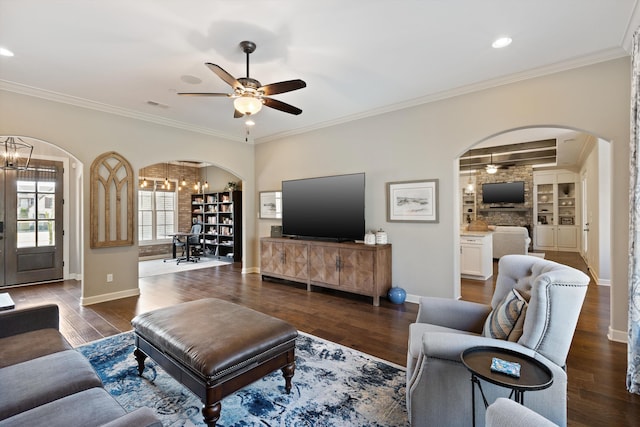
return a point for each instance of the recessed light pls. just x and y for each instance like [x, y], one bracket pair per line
[5, 52]
[501, 42]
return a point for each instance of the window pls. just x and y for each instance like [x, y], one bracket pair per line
[157, 210]
[36, 200]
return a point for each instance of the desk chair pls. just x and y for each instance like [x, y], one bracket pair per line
[191, 245]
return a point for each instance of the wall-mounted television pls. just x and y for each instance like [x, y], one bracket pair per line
[328, 208]
[503, 192]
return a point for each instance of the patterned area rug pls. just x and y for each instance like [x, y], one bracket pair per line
[332, 386]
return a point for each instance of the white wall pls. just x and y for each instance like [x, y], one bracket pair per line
[597, 168]
[425, 141]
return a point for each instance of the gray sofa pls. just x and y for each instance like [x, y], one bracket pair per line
[44, 381]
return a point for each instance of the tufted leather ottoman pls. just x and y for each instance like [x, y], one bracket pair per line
[214, 347]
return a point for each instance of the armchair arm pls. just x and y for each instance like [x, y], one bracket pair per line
[19, 321]
[456, 314]
[449, 346]
[506, 412]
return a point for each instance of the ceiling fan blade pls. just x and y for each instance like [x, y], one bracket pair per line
[203, 94]
[282, 106]
[228, 78]
[237, 114]
[282, 87]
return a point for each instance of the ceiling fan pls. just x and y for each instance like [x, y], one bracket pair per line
[248, 94]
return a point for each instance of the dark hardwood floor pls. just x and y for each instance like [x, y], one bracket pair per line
[596, 366]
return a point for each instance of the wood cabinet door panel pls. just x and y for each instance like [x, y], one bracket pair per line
[271, 257]
[296, 261]
[356, 269]
[323, 265]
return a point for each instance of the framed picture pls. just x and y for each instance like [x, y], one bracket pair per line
[412, 201]
[270, 204]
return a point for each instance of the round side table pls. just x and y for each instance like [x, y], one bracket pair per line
[534, 375]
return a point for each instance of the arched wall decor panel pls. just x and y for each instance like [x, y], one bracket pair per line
[112, 183]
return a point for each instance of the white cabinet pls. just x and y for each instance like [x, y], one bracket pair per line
[545, 236]
[476, 256]
[557, 209]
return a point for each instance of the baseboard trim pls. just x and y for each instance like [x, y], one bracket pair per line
[618, 336]
[413, 298]
[110, 297]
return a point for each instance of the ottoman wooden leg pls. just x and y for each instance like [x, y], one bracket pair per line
[211, 413]
[288, 372]
[140, 356]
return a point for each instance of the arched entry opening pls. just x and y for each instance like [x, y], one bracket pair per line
[175, 195]
[567, 190]
[42, 217]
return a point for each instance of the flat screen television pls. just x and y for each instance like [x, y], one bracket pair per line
[503, 192]
[326, 208]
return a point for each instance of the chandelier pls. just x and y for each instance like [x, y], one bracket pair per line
[16, 154]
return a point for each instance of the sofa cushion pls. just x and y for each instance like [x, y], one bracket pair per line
[92, 407]
[29, 384]
[505, 322]
[30, 345]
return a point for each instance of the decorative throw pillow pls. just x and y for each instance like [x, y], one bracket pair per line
[505, 322]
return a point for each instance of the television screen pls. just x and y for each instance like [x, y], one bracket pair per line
[503, 192]
[330, 207]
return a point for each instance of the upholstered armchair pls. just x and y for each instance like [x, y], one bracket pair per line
[534, 310]
[506, 413]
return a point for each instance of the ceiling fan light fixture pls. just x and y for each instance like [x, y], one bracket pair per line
[501, 42]
[247, 105]
[491, 169]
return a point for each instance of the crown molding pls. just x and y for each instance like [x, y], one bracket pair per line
[111, 109]
[632, 26]
[602, 56]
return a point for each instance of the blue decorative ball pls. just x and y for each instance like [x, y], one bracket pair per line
[397, 295]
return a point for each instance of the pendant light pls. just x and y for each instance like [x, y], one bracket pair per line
[166, 177]
[16, 154]
[469, 187]
[144, 179]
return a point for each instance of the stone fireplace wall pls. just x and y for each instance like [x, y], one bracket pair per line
[522, 213]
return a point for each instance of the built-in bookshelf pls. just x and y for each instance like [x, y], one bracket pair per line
[221, 216]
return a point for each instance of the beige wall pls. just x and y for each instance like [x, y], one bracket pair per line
[425, 142]
[87, 133]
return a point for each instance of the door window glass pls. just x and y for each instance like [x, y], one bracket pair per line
[36, 202]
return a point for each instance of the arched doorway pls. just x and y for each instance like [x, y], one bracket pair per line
[41, 223]
[581, 154]
[189, 191]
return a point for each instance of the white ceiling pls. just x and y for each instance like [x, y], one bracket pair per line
[358, 57]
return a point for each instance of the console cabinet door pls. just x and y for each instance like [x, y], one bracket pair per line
[324, 264]
[296, 260]
[271, 257]
[357, 269]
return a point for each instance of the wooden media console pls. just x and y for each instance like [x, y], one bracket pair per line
[350, 267]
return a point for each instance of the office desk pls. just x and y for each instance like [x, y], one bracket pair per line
[187, 245]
